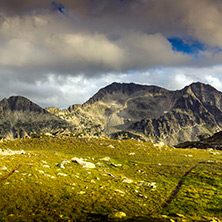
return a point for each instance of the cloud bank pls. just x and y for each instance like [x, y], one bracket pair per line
[47, 47]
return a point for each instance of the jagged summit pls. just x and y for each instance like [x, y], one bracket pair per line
[125, 89]
[20, 103]
[200, 89]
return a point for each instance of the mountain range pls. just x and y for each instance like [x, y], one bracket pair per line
[122, 110]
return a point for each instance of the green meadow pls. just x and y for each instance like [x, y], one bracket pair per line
[126, 180]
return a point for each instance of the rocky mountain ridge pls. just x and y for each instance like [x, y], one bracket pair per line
[125, 110]
[156, 113]
[196, 112]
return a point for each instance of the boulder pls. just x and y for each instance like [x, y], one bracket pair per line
[83, 163]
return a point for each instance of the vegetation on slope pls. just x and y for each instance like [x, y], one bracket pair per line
[132, 177]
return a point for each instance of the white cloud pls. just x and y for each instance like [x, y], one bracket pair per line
[51, 44]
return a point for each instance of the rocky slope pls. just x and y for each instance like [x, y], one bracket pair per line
[195, 112]
[214, 142]
[161, 115]
[19, 118]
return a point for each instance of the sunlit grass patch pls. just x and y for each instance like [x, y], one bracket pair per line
[129, 176]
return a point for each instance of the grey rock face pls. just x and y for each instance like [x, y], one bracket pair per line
[160, 114]
[193, 111]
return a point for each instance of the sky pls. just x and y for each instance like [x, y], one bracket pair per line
[59, 53]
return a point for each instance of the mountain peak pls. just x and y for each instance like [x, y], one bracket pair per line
[20, 103]
[123, 88]
[199, 86]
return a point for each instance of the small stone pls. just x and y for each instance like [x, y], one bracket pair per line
[118, 215]
[111, 146]
[116, 165]
[214, 219]
[152, 185]
[100, 164]
[210, 149]
[65, 162]
[46, 166]
[119, 191]
[126, 180]
[3, 168]
[61, 165]
[140, 171]
[142, 196]
[47, 175]
[62, 174]
[82, 192]
[159, 145]
[131, 154]
[107, 158]
[22, 152]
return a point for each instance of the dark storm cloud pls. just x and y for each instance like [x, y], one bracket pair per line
[199, 19]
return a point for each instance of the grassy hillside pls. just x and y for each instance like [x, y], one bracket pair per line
[144, 181]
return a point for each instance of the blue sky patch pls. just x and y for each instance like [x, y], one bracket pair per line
[186, 46]
[59, 7]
